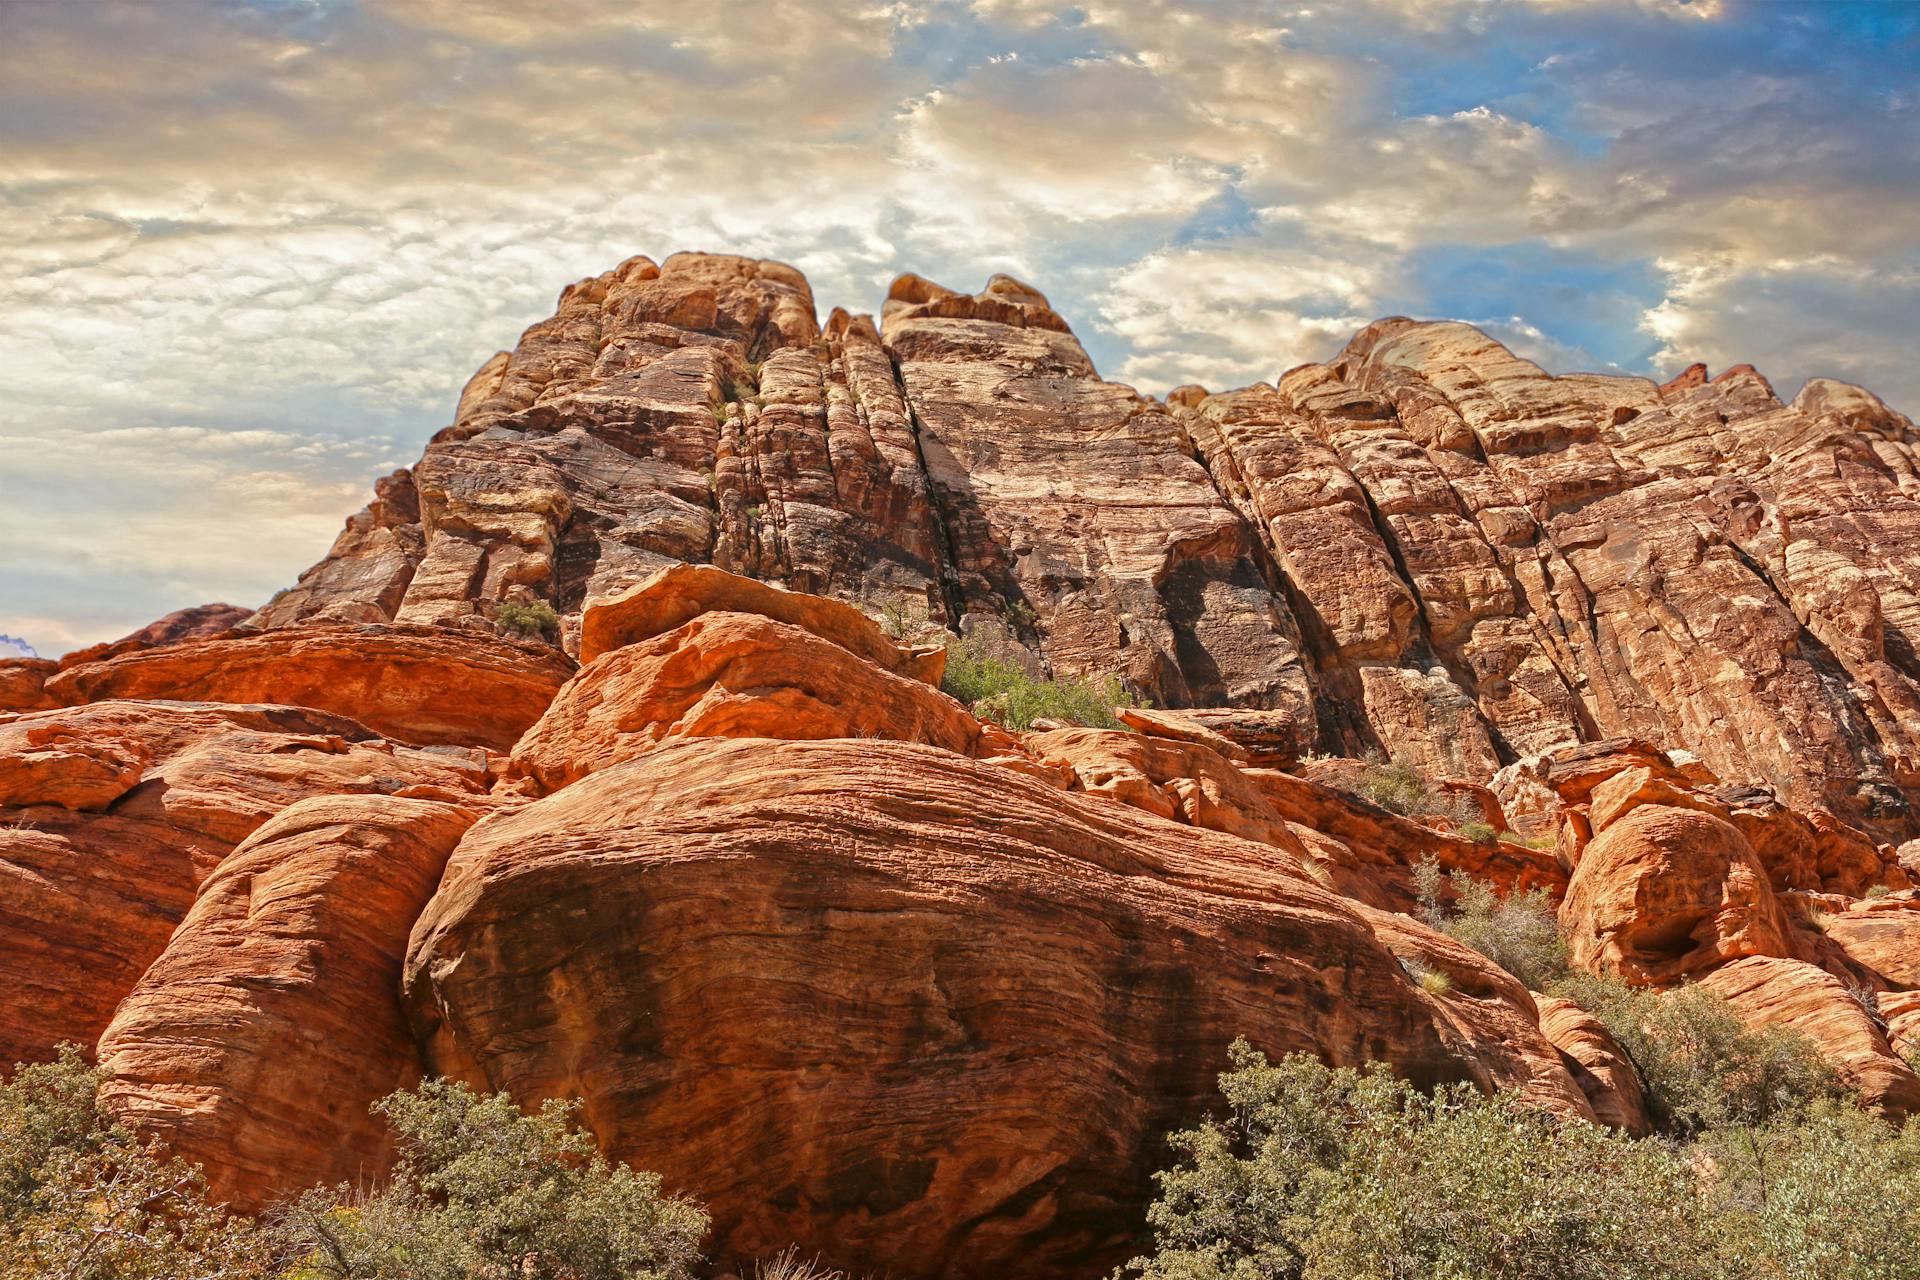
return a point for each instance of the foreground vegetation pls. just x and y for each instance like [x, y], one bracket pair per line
[1323, 1174]
[1760, 1168]
[481, 1191]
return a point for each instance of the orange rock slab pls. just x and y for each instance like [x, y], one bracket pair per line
[731, 675]
[418, 684]
[916, 1010]
[1772, 991]
[89, 897]
[682, 592]
[256, 1042]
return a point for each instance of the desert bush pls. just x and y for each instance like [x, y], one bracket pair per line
[997, 688]
[481, 1189]
[1320, 1174]
[1403, 788]
[535, 619]
[1703, 1066]
[1820, 1196]
[1520, 932]
[82, 1198]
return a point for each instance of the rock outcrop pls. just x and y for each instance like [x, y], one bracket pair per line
[605, 755]
[418, 684]
[112, 815]
[1425, 546]
[878, 995]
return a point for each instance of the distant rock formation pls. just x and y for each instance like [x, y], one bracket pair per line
[14, 647]
[1426, 546]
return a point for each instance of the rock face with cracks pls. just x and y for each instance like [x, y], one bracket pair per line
[707, 846]
[1425, 546]
[878, 995]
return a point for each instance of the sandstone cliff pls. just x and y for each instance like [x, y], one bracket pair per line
[1426, 546]
[710, 848]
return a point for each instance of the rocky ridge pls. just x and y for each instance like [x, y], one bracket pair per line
[860, 971]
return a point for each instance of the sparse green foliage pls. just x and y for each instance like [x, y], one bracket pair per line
[789, 1265]
[1703, 1066]
[898, 618]
[1479, 832]
[1519, 932]
[1876, 891]
[997, 688]
[1400, 787]
[1818, 1197]
[81, 1198]
[483, 1190]
[1323, 1174]
[535, 619]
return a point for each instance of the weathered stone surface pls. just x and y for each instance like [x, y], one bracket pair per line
[1426, 546]
[89, 897]
[257, 1040]
[1772, 991]
[424, 685]
[731, 675]
[1882, 937]
[681, 593]
[1664, 893]
[1598, 1064]
[23, 684]
[201, 622]
[877, 997]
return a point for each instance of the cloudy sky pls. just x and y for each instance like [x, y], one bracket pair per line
[250, 251]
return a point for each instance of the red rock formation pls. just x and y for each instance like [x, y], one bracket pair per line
[112, 814]
[730, 675]
[867, 974]
[1425, 545]
[925, 1010]
[424, 685]
[23, 684]
[256, 1042]
[1598, 1064]
[202, 622]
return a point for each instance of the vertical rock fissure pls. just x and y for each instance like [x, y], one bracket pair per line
[946, 571]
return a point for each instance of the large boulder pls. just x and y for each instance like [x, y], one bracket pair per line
[919, 1011]
[258, 1039]
[111, 815]
[1774, 991]
[1666, 892]
[731, 675]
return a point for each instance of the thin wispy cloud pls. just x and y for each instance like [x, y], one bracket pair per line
[248, 252]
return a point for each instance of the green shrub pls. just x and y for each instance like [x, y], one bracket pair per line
[1703, 1066]
[1323, 1174]
[997, 688]
[1479, 832]
[82, 1198]
[535, 619]
[1819, 1195]
[1400, 787]
[482, 1190]
[1520, 932]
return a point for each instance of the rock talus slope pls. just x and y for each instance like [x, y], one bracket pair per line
[710, 849]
